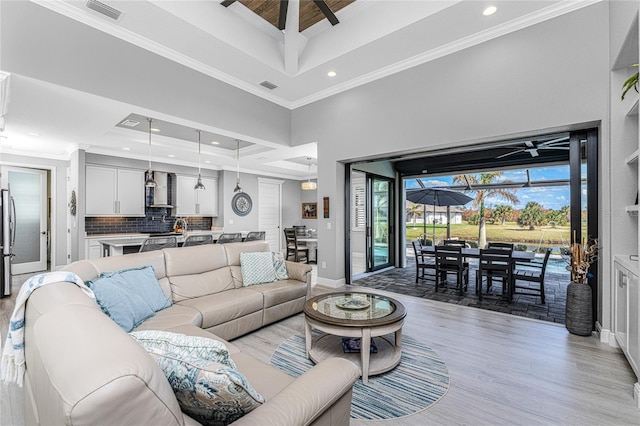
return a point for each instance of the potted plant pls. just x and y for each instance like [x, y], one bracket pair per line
[579, 313]
[629, 83]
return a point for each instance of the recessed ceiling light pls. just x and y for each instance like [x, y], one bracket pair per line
[489, 10]
[215, 143]
[34, 134]
[332, 73]
[153, 129]
[171, 155]
[207, 161]
[126, 148]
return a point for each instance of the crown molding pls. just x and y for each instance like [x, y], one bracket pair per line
[450, 48]
[98, 23]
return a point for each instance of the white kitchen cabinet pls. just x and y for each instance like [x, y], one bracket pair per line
[196, 203]
[114, 192]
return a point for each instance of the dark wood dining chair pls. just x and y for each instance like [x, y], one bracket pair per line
[198, 240]
[449, 260]
[158, 243]
[494, 263]
[531, 272]
[299, 252]
[424, 263]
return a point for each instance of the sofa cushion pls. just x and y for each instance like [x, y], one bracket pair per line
[185, 287]
[257, 268]
[226, 306]
[176, 315]
[143, 282]
[194, 346]
[233, 250]
[113, 296]
[281, 291]
[207, 391]
[278, 264]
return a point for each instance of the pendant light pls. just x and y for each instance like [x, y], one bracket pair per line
[199, 186]
[308, 185]
[237, 188]
[149, 182]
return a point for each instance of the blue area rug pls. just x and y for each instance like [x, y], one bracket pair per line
[419, 381]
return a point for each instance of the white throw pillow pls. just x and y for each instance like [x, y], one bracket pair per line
[257, 268]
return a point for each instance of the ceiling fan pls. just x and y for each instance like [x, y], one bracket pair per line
[532, 147]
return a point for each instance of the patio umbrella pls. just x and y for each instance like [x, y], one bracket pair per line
[437, 197]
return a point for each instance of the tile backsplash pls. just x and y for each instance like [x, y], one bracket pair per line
[151, 223]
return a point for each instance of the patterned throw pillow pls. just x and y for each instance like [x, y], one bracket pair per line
[143, 281]
[278, 264]
[209, 392]
[183, 345]
[127, 309]
[257, 268]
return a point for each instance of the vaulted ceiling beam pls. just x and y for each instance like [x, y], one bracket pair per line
[282, 19]
[326, 10]
[227, 3]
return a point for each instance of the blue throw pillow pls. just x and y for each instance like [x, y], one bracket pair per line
[127, 309]
[257, 268]
[143, 282]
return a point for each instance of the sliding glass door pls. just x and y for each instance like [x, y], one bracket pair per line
[379, 222]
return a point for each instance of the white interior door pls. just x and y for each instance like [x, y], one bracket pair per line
[270, 211]
[28, 187]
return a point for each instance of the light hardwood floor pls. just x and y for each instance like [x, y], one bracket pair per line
[503, 369]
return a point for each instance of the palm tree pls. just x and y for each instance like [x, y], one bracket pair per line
[531, 216]
[415, 211]
[508, 195]
[502, 212]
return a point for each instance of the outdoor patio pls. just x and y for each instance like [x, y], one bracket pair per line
[402, 281]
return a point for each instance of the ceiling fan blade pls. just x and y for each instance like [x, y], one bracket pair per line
[561, 148]
[517, 151]
[562, 140]
[533, 152]
[529, 144]
[322, 5]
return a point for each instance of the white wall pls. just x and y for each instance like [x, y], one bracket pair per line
[552, 74]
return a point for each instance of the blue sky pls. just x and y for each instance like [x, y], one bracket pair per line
[551, 197]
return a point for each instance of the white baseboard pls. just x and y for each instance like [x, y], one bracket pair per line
[636, 394]
[607, 336]
[326, 282]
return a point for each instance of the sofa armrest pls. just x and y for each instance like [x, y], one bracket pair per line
[299, 271]
[307, 397]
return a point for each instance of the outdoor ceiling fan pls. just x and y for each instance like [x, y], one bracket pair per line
[532, 147]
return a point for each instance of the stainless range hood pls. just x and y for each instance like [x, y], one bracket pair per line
[161, 190]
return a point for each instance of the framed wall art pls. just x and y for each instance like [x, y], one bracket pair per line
[309, 210]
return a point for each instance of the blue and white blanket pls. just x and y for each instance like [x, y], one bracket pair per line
[12, 367]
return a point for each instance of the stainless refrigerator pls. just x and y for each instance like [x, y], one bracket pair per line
[7, 238]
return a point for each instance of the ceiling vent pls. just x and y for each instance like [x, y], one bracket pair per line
[269, 85]
[129, 123]
[104, 9]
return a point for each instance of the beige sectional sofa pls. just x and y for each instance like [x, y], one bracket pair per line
[82, 368]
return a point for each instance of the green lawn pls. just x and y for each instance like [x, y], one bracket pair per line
[509, 232]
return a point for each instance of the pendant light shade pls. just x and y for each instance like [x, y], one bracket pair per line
[199, 186]
[238, 188]
[308, 185]
[149, 182]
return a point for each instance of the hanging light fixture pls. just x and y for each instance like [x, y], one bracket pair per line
[308, 185]
[199, 186]
[149, 182]
[237, 188]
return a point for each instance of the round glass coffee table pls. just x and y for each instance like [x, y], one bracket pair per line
[348, 322]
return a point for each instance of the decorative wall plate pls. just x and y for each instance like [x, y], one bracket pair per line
[241, 204]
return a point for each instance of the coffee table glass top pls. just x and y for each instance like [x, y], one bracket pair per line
[354, 308]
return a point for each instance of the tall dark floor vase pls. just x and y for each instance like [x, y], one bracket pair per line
[579, 314]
